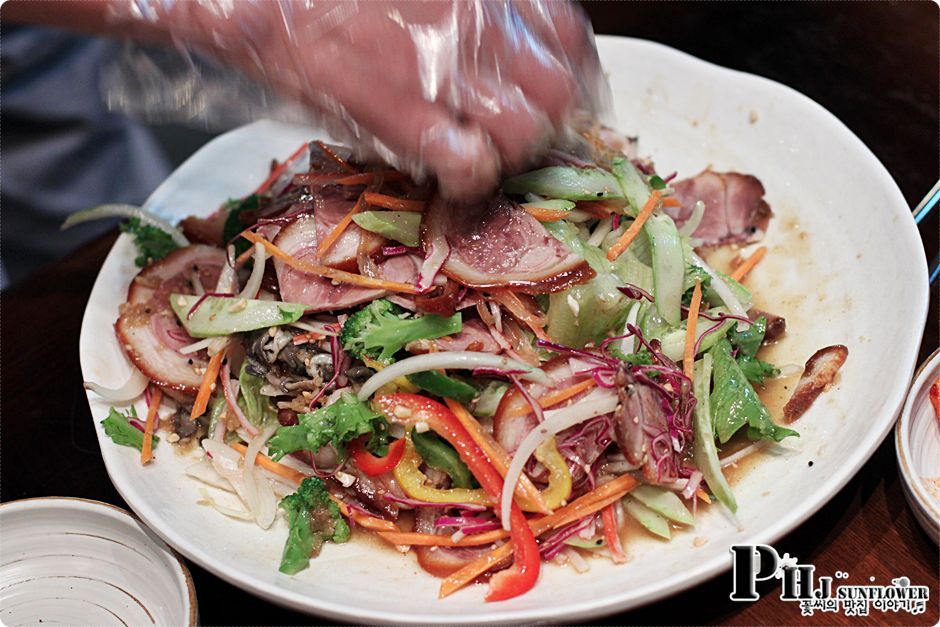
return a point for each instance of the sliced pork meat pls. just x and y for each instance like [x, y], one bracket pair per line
[499, 244]
[637, 420]
[300, 240]
[330, 207]
[776, 325]
[473, 337]
[735, 211]
[372, 491]
[820, 373]
[442, 561]
[147, 328]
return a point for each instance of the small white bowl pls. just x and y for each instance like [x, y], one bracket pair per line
[917, 438]
[75, 561]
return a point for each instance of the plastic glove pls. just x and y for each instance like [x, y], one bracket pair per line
[461, 89]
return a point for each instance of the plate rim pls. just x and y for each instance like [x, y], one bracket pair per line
[650, 592]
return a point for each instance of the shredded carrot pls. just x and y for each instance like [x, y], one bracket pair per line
[279, 170]
[546, 215]
[327, 272]
[341, 226]
[335, 157]
[523, 310]
[295, 476]
[703, 495]
[590, 503]
[369, 177]
[245, 256]
[612, 533]
[146, 451]
[390, 202]
[529, 498]
[630, 234]
[206, 387]
[270, 465]
[671, 201]
[741, 271]
[691, 322]
[553, 398]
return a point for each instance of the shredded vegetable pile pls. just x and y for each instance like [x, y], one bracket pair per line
[493, 387]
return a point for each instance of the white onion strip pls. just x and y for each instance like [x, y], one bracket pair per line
[601, 231]
[231, 399]
[257, 273]
[628, 344]
[437, 257]
[118, 210]
[456, 360]
[225, 511]
[598, 403]
[744, 452]
[258, 490]
[132, 388]
[196, 346]
[724, 292]
[698, 212]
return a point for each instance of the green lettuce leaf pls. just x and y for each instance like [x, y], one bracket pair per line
[122, 432]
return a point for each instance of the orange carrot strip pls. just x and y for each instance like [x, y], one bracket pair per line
[205, 388]
[295, 476]
[547, 215]
[671, 201]
[339, 276]
[279, 170]
[270, 465]
[630, 234]
[335, 157]
[741, 271]
[146, 451]
[341, 226]
[368, 177]
[529, 498]
[688, 358]
[590, 503]
[245, 256]
[390, 202]
[703, 495]
[612, 534]
[553, 398]
[525, 313]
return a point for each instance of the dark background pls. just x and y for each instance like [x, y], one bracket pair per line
[873, 64]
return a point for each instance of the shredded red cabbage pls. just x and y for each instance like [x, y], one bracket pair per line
[465, 507]
[202, 299]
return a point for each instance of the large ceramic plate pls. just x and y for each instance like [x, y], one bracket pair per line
[845, 266]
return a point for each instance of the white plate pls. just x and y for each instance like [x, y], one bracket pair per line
[80, 562]
[846, 266]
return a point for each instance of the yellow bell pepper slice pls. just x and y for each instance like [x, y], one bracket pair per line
[414, 483]
[559, 477]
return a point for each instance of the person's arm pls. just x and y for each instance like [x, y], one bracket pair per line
[461, 89]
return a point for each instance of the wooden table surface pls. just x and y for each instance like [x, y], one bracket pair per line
[874, 65]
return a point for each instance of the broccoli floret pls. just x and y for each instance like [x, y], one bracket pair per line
[313, 518]
[381, 329]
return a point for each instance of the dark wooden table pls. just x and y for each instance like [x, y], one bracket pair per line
[875, 65]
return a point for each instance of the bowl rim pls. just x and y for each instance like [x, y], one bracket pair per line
[74, 502]
[648, 593]
[902, 439]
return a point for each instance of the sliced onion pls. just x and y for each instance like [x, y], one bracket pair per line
[258, 490]
[698, 211]
[131, 389]
[457, 360]
[577, 562]
[197, 283]
[438, 252]
[597, 403]
[195, 347]
[227, 511]
[744, 452]
[692, 484]
[628, 344]
[205, 472]
[125, 211]
[226, 461]
[601, 231]
[724, 292]
[257, 273]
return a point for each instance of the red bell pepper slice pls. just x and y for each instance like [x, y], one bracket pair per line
[521, 577]
[372, 465]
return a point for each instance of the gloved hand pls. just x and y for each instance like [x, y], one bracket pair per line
[461, 89]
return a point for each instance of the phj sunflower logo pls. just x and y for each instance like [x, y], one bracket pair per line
[759, 562]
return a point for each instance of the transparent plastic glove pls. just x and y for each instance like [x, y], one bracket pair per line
[460, 89]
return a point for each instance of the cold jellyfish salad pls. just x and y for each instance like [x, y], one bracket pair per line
[493, 387]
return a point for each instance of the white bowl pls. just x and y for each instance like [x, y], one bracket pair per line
[917, 439]
[80, 562]
[841, 246]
